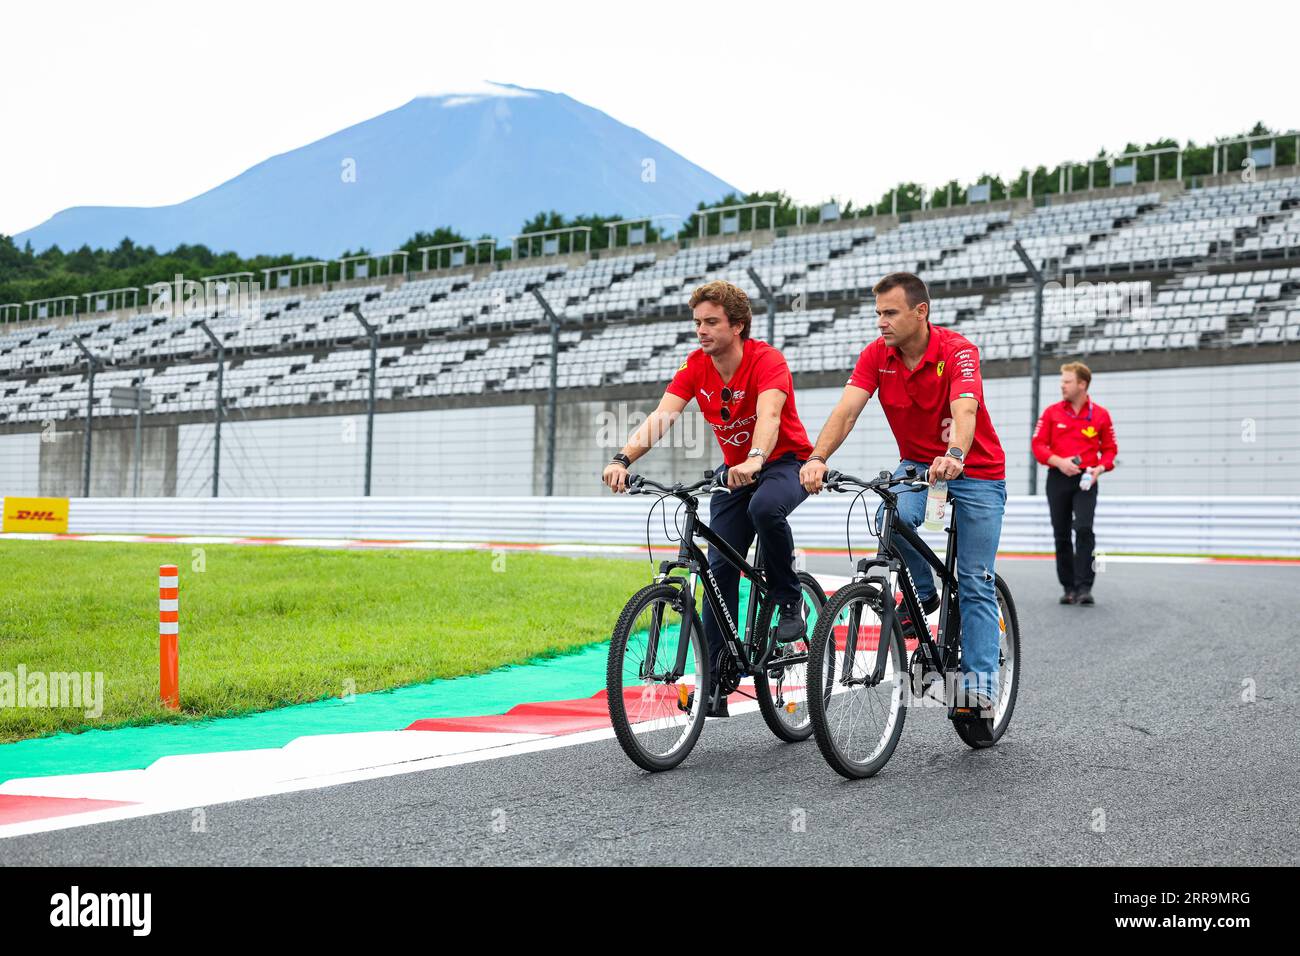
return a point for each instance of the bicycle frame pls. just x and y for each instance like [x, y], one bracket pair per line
[691, 558]
[942, 651]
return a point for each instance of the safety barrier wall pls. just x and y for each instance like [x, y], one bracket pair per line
[1257, 525]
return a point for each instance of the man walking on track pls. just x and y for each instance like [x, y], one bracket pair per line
[1075, 439]
[746, 393]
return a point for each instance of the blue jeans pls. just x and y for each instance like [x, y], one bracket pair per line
[978, 511]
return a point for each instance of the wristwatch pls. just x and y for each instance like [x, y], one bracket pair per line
[623, 460]
[955, 452]
[757, 453]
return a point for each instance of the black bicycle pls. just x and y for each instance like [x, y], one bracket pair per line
[860, 674]
[659, 671]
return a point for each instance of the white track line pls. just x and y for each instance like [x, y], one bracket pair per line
[228, 792]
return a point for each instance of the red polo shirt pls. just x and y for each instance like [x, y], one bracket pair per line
[1089, 434]
[761, 368]
[918, 403]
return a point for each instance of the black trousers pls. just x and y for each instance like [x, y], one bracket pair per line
[1072, 508]
[736, 517]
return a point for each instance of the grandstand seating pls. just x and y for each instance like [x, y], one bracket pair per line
[474, 331]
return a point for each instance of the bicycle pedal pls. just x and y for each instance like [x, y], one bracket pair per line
[970, 713]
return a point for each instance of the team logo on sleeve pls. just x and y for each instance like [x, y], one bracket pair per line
[682, 366]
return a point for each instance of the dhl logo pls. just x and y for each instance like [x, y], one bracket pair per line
[43, 515]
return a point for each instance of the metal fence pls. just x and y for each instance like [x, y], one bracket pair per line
[1183, 431]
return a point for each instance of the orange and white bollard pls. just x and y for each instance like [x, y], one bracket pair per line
[168, 634]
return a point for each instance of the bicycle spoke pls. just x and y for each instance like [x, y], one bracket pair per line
[651, 702]
[860, 717]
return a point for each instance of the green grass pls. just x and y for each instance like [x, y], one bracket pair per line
[263, 627]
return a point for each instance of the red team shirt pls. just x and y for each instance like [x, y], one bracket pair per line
[918, 402]
[1089, 434]
[761, 368]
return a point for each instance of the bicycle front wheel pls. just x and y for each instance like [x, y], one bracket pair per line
[657, 716]
[782, 691]
[857, 722]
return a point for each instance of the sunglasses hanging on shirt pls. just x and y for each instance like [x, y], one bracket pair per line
[725, 412]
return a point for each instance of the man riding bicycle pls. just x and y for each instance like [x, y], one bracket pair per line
[933, 397]
[746, 393]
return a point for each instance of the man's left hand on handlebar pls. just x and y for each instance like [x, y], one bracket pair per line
[812, 476]
[615, 476]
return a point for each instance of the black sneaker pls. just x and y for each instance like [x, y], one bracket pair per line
[1084, 596]
[909, 630]
[975, 711]
[1069, 597]
[719, 711]
[792, 626]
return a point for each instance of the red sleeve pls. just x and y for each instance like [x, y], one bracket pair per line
[772, 372]
[964, 367]
[683, 383]
[1042, 440]
[865, 374]
[1109, 446]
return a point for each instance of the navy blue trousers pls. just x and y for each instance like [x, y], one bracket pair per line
[760, 508]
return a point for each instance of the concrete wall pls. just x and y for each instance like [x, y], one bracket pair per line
[20, 457]
[61, 454]
[589, 433]
[461, 451]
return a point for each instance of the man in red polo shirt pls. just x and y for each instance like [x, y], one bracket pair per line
[1075, 439]
[930, 387]
[746, 393]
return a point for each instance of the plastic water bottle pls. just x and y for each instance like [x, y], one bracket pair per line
[1086, 481]
[936, 505]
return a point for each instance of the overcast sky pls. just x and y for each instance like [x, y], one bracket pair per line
[136, 103]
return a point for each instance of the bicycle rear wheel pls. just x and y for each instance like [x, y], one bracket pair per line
[656, 717]
[782, 691]
[1008, 670]
[857, 724]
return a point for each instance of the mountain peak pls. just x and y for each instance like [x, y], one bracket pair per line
[463, 95]
[481, 159]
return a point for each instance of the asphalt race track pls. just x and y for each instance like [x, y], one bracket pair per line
[1133, 742]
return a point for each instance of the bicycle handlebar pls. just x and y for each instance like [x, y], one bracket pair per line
[636, 485]
[837, 480]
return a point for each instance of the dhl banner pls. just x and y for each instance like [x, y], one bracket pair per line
[35, 514]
